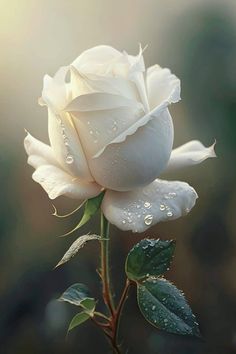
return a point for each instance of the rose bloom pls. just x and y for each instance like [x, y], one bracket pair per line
[110, 129]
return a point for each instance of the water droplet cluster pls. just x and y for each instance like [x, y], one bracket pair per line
[94, 133]
[69, 156]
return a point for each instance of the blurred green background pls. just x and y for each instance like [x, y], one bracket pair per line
[197, 40]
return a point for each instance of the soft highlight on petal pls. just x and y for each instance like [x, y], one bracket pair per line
[189, 154]
[140, 209]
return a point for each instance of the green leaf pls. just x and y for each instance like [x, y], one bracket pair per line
[149, 257]
[78, 320]
[78, 294]
[91, 207]
[165, 307]
[76, 246]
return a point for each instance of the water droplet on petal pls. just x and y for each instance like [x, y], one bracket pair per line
[69, 159]
[148, 219]
[147, 205]
[123, 222]
[169, 213]
[162, 207]
[153, 307]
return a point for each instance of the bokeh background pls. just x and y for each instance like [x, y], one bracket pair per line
[197, 40]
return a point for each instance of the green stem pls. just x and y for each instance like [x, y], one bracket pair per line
[105, 275]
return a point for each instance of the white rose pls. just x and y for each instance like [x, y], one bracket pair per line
[110, 128]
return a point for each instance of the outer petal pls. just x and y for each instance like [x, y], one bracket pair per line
[135, 160]
[189, 154]
[38, 152]
[57, 182]
[142, 208]
[162, 86]
[51, 176]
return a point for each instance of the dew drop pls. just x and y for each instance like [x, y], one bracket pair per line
[123, 222]
[172, 194]
[153, 307]
[162, 207]
[169, 213]
[147, 205]
[69, 159]
[148, 219]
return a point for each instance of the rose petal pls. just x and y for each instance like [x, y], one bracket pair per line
[140, 209]
[155, 113]
[57, 182]
[83, 83]
[98, 101]
[139, 159]
[137, 67]
[191, 153]
[38, 152]
[98, 128]
[66, 145]
[51, 176]
[162, 86]
[55, 93]
[94, 57]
